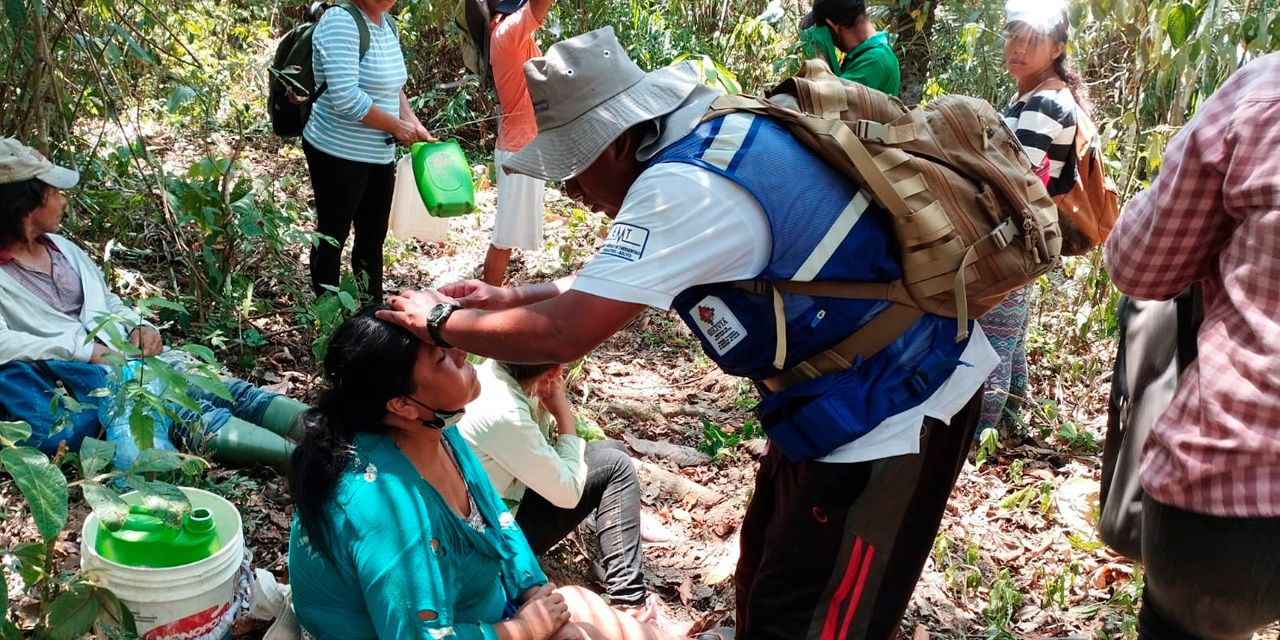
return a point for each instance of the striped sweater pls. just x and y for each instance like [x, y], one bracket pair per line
[1045, 123]
[355, 86]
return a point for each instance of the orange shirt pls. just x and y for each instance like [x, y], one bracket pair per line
[510, 46]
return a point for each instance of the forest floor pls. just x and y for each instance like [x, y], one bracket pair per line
[1017, 555]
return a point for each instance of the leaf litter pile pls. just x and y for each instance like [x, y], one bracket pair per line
[1017, 555]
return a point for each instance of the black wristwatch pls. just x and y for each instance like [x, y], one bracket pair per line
[435, 321]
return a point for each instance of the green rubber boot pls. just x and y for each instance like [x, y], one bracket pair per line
[244, 443]
[281, 417]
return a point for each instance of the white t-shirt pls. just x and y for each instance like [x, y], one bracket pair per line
[681, 226]
[900, 434]
[650, 256]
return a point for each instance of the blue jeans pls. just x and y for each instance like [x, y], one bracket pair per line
[248, 403]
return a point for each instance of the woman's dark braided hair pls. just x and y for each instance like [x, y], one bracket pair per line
[369, 362]
[1066, 71]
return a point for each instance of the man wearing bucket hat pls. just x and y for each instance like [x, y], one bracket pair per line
[851, 489]
[518, 222]
[53, 297]
[838, 28]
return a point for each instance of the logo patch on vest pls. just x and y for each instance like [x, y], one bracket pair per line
[626, 241]
[721, 328]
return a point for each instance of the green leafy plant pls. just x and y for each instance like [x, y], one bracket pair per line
[69, 605]
[715, 441]
[988, 444]
[959, 567]
[326, 312]
[1023, 498]
[1077, 438]
[1059, 587]
[1003, 601]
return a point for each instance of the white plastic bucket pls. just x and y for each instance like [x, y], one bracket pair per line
[174, 603]
[409, 215]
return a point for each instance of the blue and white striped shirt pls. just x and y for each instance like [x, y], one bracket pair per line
[355, 86]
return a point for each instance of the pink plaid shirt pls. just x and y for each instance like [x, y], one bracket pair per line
[1213, 215]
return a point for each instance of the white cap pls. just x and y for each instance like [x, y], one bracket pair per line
[1042, 15]
[19, 162]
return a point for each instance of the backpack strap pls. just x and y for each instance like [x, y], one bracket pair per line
[1190, 310]
[892, 291]
[867, 341]
[361, 26]
[1052, 83]
[395, 26]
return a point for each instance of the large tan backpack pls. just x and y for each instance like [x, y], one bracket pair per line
[1089, 210]
[972, 219]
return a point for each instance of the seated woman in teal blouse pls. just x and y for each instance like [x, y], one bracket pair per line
[397, 531]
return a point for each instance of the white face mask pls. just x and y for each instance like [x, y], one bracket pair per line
[443, 419]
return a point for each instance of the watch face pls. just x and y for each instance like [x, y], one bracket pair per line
[436, 312]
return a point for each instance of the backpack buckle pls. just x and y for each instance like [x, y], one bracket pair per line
[913, 387]
[868, 130]
[1003, 234]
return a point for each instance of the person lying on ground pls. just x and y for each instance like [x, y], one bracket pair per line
[397, 532]
[552, 480]
[53, 298]
[861, 459]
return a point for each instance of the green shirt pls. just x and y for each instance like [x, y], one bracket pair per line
[399, 549]
[872, 63]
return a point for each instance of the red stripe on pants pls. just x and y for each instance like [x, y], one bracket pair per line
[857, 592]
[855, 575]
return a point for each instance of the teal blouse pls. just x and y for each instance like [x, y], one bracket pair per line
[404, 564]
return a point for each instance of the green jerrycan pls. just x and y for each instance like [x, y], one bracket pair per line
[146, 541]
[444, 178]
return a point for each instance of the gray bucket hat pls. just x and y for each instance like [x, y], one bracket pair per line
[586, 93]
[19, 162]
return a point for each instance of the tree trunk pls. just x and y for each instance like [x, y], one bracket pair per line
[912, 46]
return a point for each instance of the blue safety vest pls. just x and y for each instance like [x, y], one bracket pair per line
[824, 228]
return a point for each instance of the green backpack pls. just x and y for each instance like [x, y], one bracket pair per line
[292, 88]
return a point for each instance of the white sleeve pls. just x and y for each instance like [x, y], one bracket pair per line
[679, 226]
[20, 345]
[515, 442]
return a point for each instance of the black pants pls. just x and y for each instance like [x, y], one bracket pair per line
[833, 550]
[612, 491]
[1207, 578]
[349, 193]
